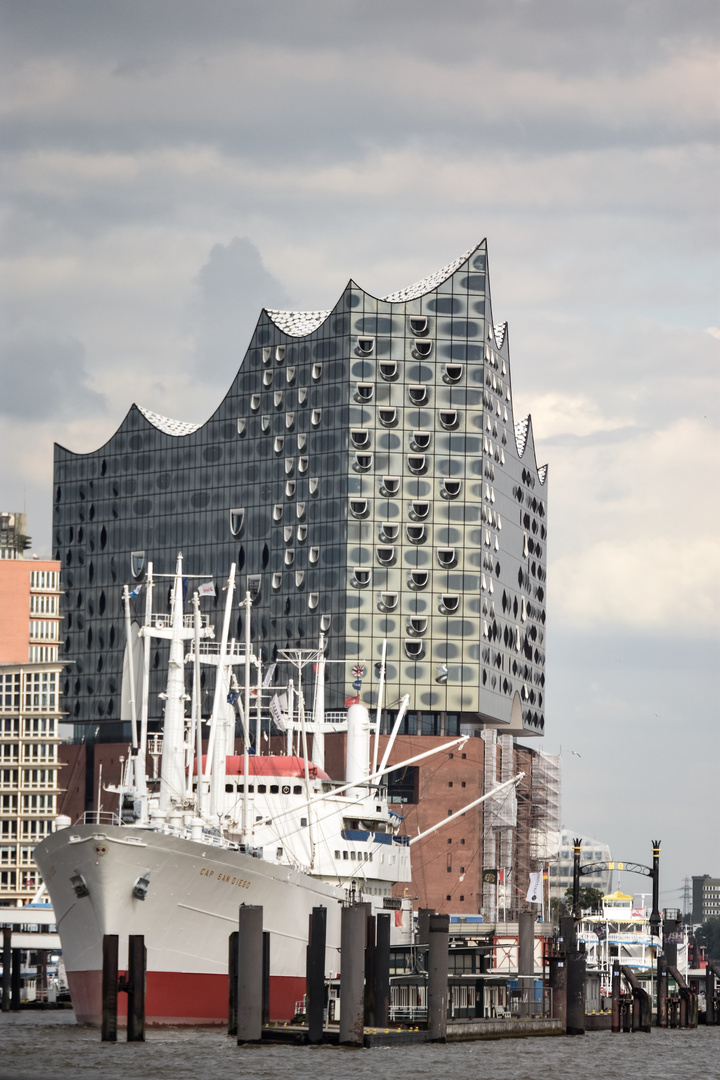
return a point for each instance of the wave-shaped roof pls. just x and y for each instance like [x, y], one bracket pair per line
[168, 426]
[297, 323]
[427, 283]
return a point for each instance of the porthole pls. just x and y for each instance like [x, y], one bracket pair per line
[290, 487]
[303, 463]
[302, 533]
[289, 557]
[276, 581]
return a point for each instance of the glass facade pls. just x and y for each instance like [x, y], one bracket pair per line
[367, 476]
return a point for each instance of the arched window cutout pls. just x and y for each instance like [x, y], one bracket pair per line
[290, 375]
[422, 348]
[313, 484]
[325, 621]
[289, 466]
[289, 558]
[416, 463]
[449, 419]
[358, 507]
[387, 417]
[418, 324]
[364, 391]
[302, 395]
[420, 440]
[416, 534]
[389, 532]
[277, 512]
[447, 557]
[267, 377]
[388, 370]
[453, 373]
[303, 463]
[280, 353]
[388, 601]
[290, 488]
[265, 423]
[266, 354]
[417, 624]
[363, 462]
[419, 510]
[276, 581]
[418, 395]
[255, 402]
[390, 486]
[287, 533]
[449, 603]
[313, 600]
[300, 511]
[386, 555]
[237, 519]
[299, 578]
[317, 371]
[314, 554]
[360, 438]
[277, 399]
[290, 420]
[241, 425]
[302, 533]
[360, 577]
[418, 579]
[450, 489]
[279, 444]
[316, 417]
[365, 346]
[414, 649]
[301, 441]
[137, 563]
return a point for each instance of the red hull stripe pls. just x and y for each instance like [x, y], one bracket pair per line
[179, 997]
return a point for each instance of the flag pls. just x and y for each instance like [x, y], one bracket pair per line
[358, 671]
[534, 893]
[490, 877]
[399, 917]
[136, 591]
[232, 697]
[501, 877]
[269, 672]
[352, 701]
[207, 589]
[277, 713]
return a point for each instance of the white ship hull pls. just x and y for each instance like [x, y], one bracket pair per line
[191, 907]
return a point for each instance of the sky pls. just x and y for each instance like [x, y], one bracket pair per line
[172, 167]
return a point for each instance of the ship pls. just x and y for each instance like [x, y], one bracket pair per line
[209, 831]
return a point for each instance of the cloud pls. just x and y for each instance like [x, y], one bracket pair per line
[44, 376]
[234, 286]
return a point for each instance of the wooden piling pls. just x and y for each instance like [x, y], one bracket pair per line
[266, 978]
[382, 971]
[137, 968]
[526, 960]
[616, 988]
[16, 979]
[369, 1003]
[662, 992]
[710, 1017]
[232, 982]
[316, 974]
[7, 968]
[352, 974]
[250, 974]
[109, 988]
[575, 993]
[437, 990]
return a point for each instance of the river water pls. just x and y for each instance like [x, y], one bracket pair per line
[51, 1046]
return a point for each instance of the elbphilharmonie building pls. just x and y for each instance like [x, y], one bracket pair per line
[369, 478]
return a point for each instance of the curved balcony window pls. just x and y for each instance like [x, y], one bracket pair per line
[267, 377]
[359, 508]
[300, 511]
[302, 531]
[422, 348]
[290, 420]
[363, 462]
[360, 577]
[277, 512]
[388, 601]
[277, 399]
[420, 440]
[387, 417]
[418, 579]
[288, 534]
[449, 419]
[265, 423]
[290, 487]
[303, 463]
[317, 372]
[360, 438]
[255, 402]
[388, 370]
[449, 603]
[266, 354]
[389, 533]
[418, 324]
[313, 600]
[302, 395]
[386, 555]
[278, 444]
[416, 534]
[364, 391]
[419, 510]
[241, 425]
[418, 395]
[314, 555]
[325, 621]
[299, 579]
[450, 489]
[313, 484]
[417, 463]
[277, 581]
[289, 466]
[365, 346]
[137, 563]
[390, 486]
[417, 625]
[301, 441]
[453, 373]
[447, 557]
[279, 353]
[414, 649]
[290, 375]
[289, 558]
[237, 518]
[316, 417]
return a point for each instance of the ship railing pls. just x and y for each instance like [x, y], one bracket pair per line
[99, 817]
[164, 622]
[212, 648]
[407, 1013]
